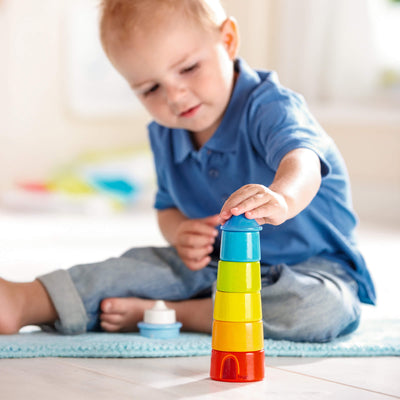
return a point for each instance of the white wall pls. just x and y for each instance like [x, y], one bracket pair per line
[39, 130]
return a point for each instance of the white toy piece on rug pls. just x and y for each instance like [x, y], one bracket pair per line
[159, 322]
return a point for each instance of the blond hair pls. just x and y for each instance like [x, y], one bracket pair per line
[119, 18]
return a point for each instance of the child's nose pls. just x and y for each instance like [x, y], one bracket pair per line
[175, 94]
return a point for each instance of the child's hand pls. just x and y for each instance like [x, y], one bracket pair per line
[194, 241]
[256, 202]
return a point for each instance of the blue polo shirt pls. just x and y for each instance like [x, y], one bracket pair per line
[263, 122]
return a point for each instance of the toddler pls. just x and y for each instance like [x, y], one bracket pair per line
[227, 140]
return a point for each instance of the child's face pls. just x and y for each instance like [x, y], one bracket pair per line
[182, 73]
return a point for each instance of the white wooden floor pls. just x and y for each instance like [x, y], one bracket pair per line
[187, 378]
[33, 244]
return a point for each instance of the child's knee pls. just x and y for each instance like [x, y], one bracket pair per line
[311, 324]
[318, 310]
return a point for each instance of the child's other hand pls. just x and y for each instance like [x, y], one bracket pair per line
[256, 202]
[194, 241]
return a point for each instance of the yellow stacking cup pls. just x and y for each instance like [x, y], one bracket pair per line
[237, 307]
[242, 277]
[237, 336]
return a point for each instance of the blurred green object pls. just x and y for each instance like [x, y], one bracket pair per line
[390, 77]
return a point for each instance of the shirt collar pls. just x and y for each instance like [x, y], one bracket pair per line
[224, 137]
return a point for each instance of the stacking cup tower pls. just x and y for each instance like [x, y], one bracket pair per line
[237, 336]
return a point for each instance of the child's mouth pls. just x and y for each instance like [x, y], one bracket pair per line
[190, 112]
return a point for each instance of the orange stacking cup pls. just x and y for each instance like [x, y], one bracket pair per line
[237, 336]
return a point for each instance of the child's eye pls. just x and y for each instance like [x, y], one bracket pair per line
[151, 90]
[191, 68]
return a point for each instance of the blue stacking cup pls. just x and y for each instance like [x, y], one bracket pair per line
[240, 240]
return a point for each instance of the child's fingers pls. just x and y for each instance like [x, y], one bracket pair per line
[273, 212]
[259, 201]
[213, 220]
[195, 240]
[199, 227]
[245, 199]
[264, 213]
[237, 197]
[196, 265]
[194, 253]
[195, 257]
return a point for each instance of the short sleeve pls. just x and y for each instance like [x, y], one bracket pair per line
[163, 199]
[282, 124]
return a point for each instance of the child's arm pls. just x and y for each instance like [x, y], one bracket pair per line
[192, 238]
[296, 182]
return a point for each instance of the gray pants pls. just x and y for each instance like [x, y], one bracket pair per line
[312, 301]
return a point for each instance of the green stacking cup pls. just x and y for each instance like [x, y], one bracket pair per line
[239, 277]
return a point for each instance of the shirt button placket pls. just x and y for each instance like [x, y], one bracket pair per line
[213, 173]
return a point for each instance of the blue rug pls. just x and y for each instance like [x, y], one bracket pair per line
[373, 338]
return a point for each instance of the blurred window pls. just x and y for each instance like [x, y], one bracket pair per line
[386, 17]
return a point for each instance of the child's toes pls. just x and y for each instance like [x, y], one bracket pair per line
[110, 305]
[110, 327]
[115, 319]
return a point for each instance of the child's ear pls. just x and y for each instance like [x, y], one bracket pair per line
[230, 36]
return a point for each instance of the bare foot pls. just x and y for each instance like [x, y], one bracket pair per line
[24, 304]
[123, 314]
[11, 308]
